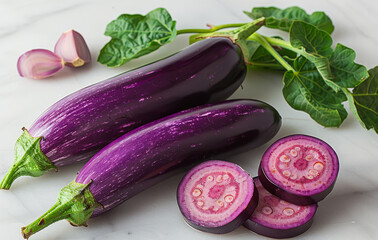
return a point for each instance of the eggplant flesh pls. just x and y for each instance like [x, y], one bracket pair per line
[277, 218]
[216, 196]
[299, 169]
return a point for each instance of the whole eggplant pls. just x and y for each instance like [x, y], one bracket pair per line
[79, 125]
[148, 154]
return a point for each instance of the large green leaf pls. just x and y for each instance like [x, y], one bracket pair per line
[305, 90]
[312, 39]
[134, 35]
[337, 67]
[315, 45]
[347, 73]
[283, 18]
[364, 101]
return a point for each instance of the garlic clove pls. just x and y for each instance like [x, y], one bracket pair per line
[72, 47]
[39, 63]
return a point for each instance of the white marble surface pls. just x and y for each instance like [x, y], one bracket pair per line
[350, 212]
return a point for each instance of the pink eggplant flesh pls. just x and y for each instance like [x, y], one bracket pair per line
[277, 218]
[216, 196]
[299, 169]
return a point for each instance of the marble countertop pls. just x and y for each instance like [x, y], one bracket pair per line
[349, 212]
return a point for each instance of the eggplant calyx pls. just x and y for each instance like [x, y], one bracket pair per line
[75, 204]
[29, 160]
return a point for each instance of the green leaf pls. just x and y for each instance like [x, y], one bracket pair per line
[136, 35]
[305, 90]
[337, 67]
[347, 73]
[364, 101]
[283, 18]
[312, 39]
[261, 58]
[315, 45]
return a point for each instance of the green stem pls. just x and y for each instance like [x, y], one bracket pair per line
[29, 160]
[211, 29]
[266, 42]
[280, 42]
[283, 44]
[11, 175]
[259, 65]
[352, 106]
[75, 203]
[239, 36]
[54, 214]
[267, 45]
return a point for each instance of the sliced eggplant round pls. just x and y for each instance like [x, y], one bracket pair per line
[216, 196]
[299, 169]
[277, 218]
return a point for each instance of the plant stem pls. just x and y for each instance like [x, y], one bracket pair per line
[75, 203]
[263, 41]
[286, 45]
[279, 42]
[210, 30]
[29, 160]
[259, 65]
[352, 106]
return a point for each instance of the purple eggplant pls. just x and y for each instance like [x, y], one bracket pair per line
[79, 125]
[216, 196]
[150, 153]
[277, 218]
[299, 169]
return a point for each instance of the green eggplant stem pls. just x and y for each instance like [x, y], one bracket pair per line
[239, 36]
[75, 204]
[29, 160]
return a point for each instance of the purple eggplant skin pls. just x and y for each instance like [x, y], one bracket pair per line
[141, 158]
[80, 124]
[144, 156]
[278, 233]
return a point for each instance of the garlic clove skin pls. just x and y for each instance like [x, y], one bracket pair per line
[73, 49]
[39, 63]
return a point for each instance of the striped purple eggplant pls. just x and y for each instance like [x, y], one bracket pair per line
[148, 154]
[79, 125]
